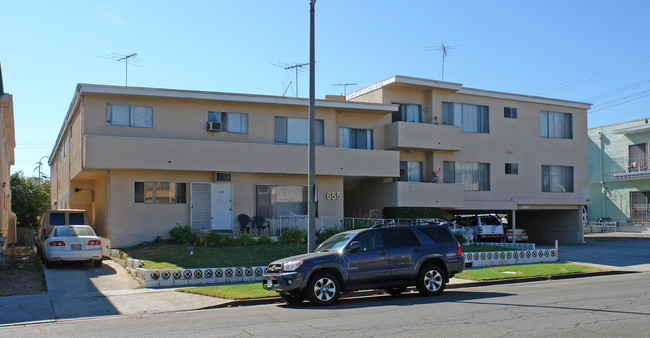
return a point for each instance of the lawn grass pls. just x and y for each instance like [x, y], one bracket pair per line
[234, 291]
[165, 255]
[527, 270]
[176, 256]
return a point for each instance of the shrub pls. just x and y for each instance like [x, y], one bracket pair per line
[211, 239]
[460, 238]
[411, 212]
[265, 240]
[229, 241]
[293, 236]
[324, 234]
[246, 240]
[182, 234]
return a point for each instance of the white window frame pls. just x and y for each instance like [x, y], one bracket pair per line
[231, 122]
[138, 116]
[348, 138]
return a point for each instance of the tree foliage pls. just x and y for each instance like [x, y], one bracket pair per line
[30, 197]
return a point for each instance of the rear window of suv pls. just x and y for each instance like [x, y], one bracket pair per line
[76, 218]
[437, 234]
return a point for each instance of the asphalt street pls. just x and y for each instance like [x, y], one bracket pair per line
[605, 306]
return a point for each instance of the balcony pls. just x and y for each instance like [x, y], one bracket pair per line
[424, 136]
[636, 167]
[110, 152]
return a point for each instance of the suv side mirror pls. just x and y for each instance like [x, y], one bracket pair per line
[354, 246]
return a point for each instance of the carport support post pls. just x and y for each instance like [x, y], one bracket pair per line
[512, 219]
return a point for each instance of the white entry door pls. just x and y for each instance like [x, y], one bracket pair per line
[211, 206]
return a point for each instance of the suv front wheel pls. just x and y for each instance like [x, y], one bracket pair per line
[323, 288]
[431, 280]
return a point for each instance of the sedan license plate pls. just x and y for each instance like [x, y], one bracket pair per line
[75, 247]
[269, 283]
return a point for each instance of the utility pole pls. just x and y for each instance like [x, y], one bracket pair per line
[39, 165]
[311, 210]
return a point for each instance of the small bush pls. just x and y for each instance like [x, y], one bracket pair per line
[293, 236]
[411, 212]
[265, 240]
[246, 240]
[230, 241]
[460, 238]
[325, 234]
[183, 234]
[212, 239]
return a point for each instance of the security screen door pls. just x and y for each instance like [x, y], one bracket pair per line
[211, 206]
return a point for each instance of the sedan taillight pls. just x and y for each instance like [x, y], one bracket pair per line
[94, 242]
[57, 243]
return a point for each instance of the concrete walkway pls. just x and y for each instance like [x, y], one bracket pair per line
[84, 291]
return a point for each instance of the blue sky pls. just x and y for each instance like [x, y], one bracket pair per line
[591, 51]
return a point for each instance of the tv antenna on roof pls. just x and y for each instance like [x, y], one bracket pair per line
[345, 86]
[443, 49]
[128, 59]
[297, 67]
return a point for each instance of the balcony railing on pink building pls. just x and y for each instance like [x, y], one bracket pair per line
[630, 167]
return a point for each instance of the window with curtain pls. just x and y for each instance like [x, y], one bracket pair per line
[408, 113]
[296, 130]
[159, 192]
[512, 169]
[230, 122]
[410, 171]
[281, 200]
[129, 115]
[509, 112]
[557, 178]
[353, 138]
[556, 125]
[473, 176]
[471, 117]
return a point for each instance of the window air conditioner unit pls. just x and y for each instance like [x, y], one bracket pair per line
[214, 126]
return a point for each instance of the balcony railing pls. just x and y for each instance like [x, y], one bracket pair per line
[631, 167]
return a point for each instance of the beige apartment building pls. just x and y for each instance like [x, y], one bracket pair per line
[143, 160]
[7, 146]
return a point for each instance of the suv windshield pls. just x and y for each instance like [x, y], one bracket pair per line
[336, 242]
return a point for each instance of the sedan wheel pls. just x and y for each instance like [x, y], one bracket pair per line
[431, 281]
[323, 288]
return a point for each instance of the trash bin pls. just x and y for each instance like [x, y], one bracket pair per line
[29, 238]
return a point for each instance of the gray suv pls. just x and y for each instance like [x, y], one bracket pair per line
[389, 257]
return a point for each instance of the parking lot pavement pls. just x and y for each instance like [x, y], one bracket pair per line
[621, 251]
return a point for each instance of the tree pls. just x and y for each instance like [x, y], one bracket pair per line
[30, 197]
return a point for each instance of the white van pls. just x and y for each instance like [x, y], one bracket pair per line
[51, 218]
[483, 226]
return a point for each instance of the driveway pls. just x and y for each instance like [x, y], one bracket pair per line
[623, 251]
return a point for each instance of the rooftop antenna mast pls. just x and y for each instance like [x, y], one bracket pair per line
[130, 58]
[443, 50]
[345, 86]
[296, 67]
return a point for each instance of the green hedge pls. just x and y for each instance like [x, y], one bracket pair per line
[411, 212]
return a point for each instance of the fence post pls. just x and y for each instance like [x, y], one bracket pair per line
[557, 252]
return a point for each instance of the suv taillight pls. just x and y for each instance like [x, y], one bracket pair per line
[94, 242]
[458, 246]
[57, 243]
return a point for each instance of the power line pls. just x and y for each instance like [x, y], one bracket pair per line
[619, 101]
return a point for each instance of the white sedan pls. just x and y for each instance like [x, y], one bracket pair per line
[72, 243]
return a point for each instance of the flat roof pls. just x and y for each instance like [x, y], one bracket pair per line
[400, 81]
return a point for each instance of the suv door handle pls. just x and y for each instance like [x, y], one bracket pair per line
[416, 249]
[381, 253]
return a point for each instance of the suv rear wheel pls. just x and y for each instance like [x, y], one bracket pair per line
[323, 288]
[431, 280]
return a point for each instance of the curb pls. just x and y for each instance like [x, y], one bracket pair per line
[359, 294]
